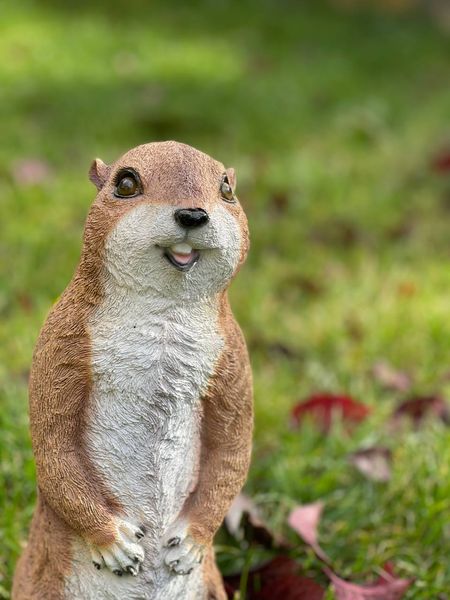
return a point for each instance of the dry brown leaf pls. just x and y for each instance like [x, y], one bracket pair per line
[418, 408]
[373, 462]
[391, 378]
[244, 521]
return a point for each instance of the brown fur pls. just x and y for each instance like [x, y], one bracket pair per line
[42, 568]
[73, 497]
[226, 445]
[226, 434]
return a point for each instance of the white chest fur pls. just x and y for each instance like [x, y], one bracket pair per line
[151, 362]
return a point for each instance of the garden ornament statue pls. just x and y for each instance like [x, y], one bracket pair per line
[140, 390]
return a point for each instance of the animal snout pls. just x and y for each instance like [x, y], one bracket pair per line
[191, 217]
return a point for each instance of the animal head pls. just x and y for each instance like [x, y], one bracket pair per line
[165, 220]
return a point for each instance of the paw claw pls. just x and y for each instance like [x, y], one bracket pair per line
[124, 555]
[175, 541]
[182, 552]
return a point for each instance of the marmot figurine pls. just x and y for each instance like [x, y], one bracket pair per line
[140, 391]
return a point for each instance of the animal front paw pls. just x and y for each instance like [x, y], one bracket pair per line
[124, 555]
[182, 552]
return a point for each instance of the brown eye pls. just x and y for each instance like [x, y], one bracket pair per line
[127, 185]
[226, 190]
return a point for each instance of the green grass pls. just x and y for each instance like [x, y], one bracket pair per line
[330, 119]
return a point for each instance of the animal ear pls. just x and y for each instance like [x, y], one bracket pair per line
[231, 174]
[99, 173]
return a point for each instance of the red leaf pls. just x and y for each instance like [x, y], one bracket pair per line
[277, 580]
[386, 588]
[441, 161]
[420, 407]
[323, 407]
[305, 521]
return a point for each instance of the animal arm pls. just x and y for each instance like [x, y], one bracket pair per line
[59, 388]
[226, 444]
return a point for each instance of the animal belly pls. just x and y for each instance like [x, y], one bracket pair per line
[147, 452]
[151, 363]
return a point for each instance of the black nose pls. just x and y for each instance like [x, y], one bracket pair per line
[191, 217]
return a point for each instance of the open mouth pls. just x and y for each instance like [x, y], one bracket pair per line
[182, 256]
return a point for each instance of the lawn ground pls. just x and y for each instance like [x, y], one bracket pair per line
[331, 119]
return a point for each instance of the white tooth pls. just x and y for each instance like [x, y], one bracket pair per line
[181, 248]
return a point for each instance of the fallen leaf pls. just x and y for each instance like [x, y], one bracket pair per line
[324, 407]
[25, 301]
[280, 349]
[279, 201]
[243, 521]
[337, 233]
[373, 462]
[391, 378]
[440, 163]
[420, 407]
[401, 230]
[274, 348]
[308, 285]
[30, 171]
[305, 521]
[242, 503]
[276, 580]
[386, 588]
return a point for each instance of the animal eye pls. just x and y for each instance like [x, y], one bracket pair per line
[226, 190]
[127, 184]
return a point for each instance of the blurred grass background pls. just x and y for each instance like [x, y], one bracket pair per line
[331, 114]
